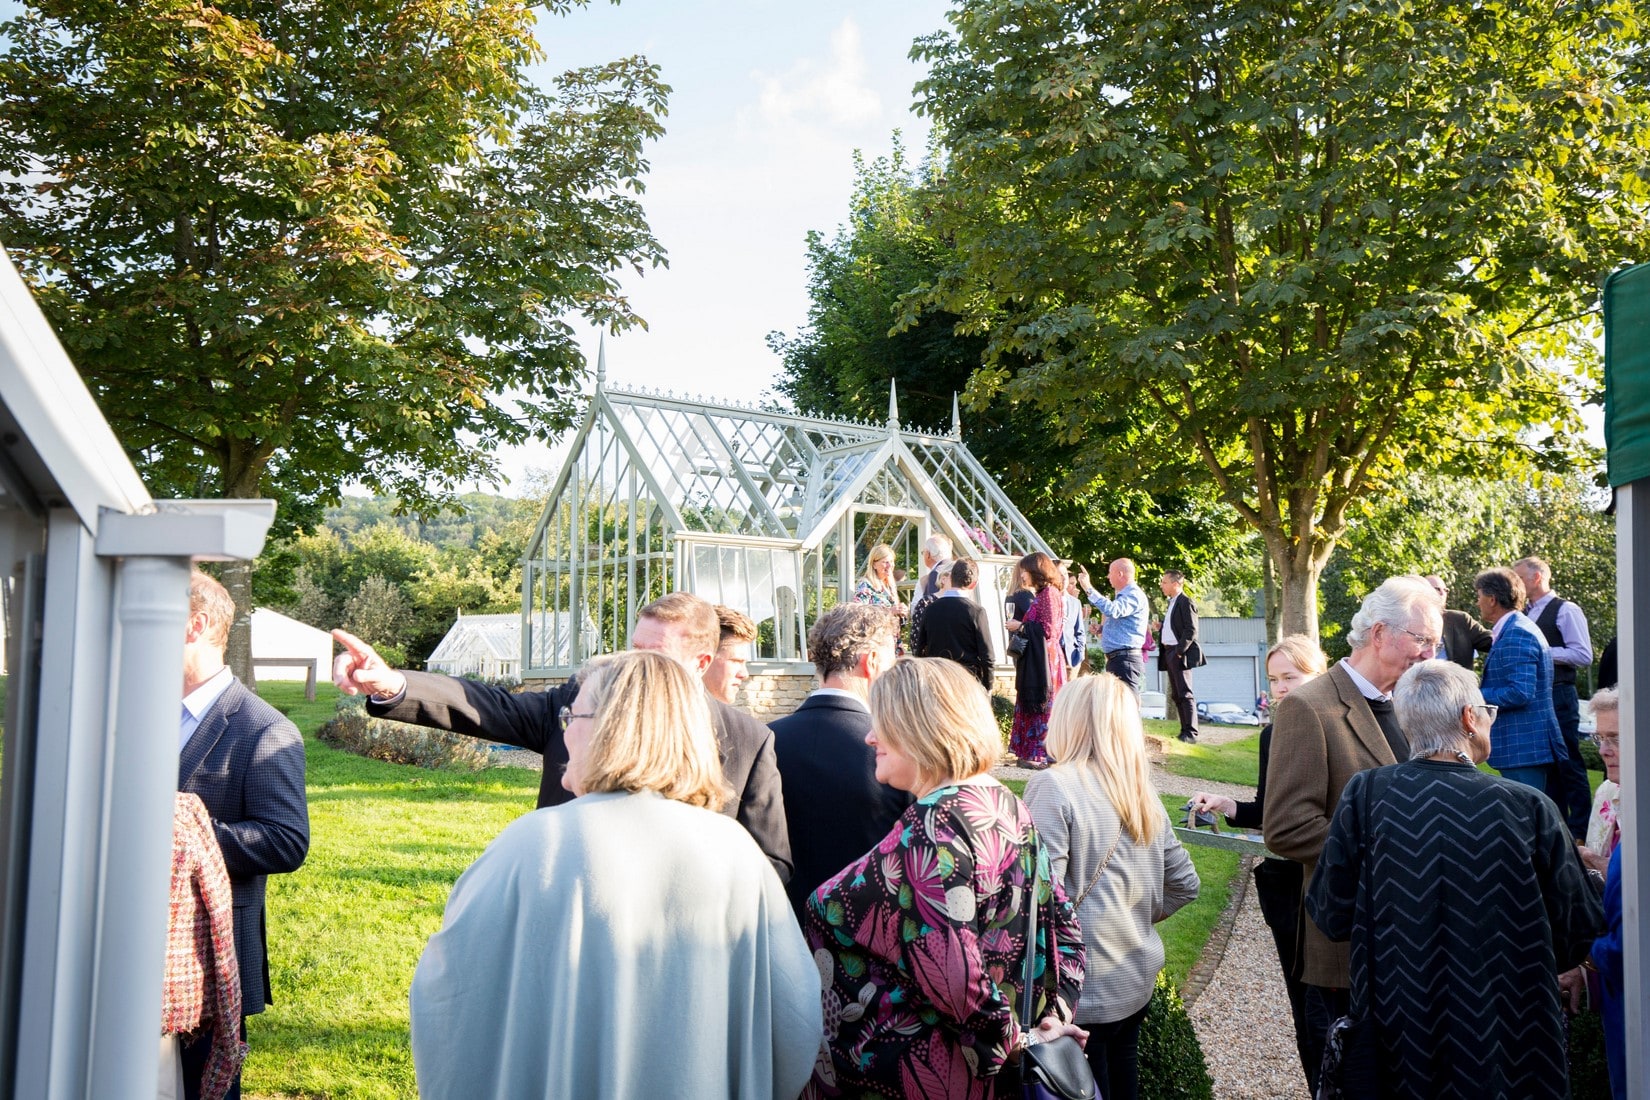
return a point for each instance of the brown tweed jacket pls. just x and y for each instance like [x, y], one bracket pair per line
[1323, 733]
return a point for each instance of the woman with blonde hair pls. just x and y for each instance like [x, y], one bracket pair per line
[879, 588]
[630, 943]
[1112, 847]
[922, 940]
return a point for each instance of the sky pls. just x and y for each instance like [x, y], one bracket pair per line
[769, 102]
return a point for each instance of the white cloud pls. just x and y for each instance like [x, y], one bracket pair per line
[834, 92]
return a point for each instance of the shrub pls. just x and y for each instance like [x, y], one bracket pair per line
[352, 730]
[1002, 707]
[1171, 1058]
[1590, 756]
[1589, 1075]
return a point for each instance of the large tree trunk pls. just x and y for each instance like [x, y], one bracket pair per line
[1298, 596]
[237, 578]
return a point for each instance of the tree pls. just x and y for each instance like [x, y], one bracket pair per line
[1306, 245]
[378, 614]
[866, 325]
[296, 245]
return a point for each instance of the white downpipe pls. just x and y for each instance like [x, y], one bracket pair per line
[151, 618]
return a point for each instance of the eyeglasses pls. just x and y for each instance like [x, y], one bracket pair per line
[567, 714]
[1613, 742]
[1488, 710]
[1426, 642]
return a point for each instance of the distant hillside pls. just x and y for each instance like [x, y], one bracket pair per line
[482, 512]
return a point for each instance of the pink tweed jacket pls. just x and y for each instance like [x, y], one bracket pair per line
[203, 979]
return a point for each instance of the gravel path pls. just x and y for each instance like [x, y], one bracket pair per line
[1242, 1017]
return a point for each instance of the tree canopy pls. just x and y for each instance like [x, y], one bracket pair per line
[299, 245]
[1299, 247]
[866, 325]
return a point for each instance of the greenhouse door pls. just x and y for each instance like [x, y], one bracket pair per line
[903, 529]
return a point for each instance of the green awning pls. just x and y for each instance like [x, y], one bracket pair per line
[1627, 373]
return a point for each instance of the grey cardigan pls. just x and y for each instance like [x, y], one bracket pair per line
[1141, 885]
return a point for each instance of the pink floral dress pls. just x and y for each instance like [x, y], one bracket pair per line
[1030, 727]
[920, 945]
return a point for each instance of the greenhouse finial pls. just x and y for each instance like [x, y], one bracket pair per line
[956, 417]
[601, 362]
[893, 408]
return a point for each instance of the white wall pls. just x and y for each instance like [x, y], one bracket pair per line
[275, 635]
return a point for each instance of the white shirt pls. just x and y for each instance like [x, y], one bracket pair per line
[1167, 635]
[1365, 688]
[840, 693]
[198, 702]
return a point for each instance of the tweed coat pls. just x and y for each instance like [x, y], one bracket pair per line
[1323, 733]
[246, 762]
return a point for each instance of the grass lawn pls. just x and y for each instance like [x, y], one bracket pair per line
[386, 844]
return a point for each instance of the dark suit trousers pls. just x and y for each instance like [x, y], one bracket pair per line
[195, 1057]
[1569, 787]
[1128, 666]
[1180, 689]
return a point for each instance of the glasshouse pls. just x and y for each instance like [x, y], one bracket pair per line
[764, 511]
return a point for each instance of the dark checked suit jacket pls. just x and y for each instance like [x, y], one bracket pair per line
[246, 763]
[532, 720]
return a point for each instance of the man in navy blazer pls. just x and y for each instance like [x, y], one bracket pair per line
[835, 808]
[246, 762]
[1526, 744]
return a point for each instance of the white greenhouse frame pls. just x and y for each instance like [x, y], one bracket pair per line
[751, 508]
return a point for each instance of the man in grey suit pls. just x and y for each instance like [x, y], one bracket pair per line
[246, 762]
[1323, 733]
[679, 625]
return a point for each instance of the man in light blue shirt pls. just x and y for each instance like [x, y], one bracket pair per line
[1124, 631]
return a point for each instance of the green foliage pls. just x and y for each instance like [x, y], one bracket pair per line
[866, 326]
[351, 730]
[1589, 1073]
[1171, 1058]
[1002, 709]
[298, 245]
[399, 581]
[1300, 246]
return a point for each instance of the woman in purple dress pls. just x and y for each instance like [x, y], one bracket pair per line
[921, 942]
[1042, 670]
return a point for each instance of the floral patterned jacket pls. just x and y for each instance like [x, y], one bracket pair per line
[921, 943]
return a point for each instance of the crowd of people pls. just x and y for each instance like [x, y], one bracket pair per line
[846, 902]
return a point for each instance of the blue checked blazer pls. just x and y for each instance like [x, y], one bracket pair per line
[1518, 678]
[246, 762]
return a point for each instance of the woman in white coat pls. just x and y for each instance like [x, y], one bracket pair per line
[630, 943]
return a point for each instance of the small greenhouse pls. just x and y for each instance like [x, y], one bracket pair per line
[768, 512]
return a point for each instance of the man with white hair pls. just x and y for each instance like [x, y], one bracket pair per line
[1325, 732]
[936, 550]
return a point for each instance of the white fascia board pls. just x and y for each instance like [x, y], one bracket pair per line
[204, 530]
[65, 428]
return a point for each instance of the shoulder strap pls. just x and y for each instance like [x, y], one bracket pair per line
[1102, 869]
[1030, 969]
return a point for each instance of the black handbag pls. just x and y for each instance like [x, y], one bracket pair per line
[1057, 1069]
[1349, 1061]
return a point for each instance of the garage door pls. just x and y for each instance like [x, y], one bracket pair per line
[1229, 678]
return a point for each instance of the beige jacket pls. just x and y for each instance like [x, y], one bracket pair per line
[1323, 733]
